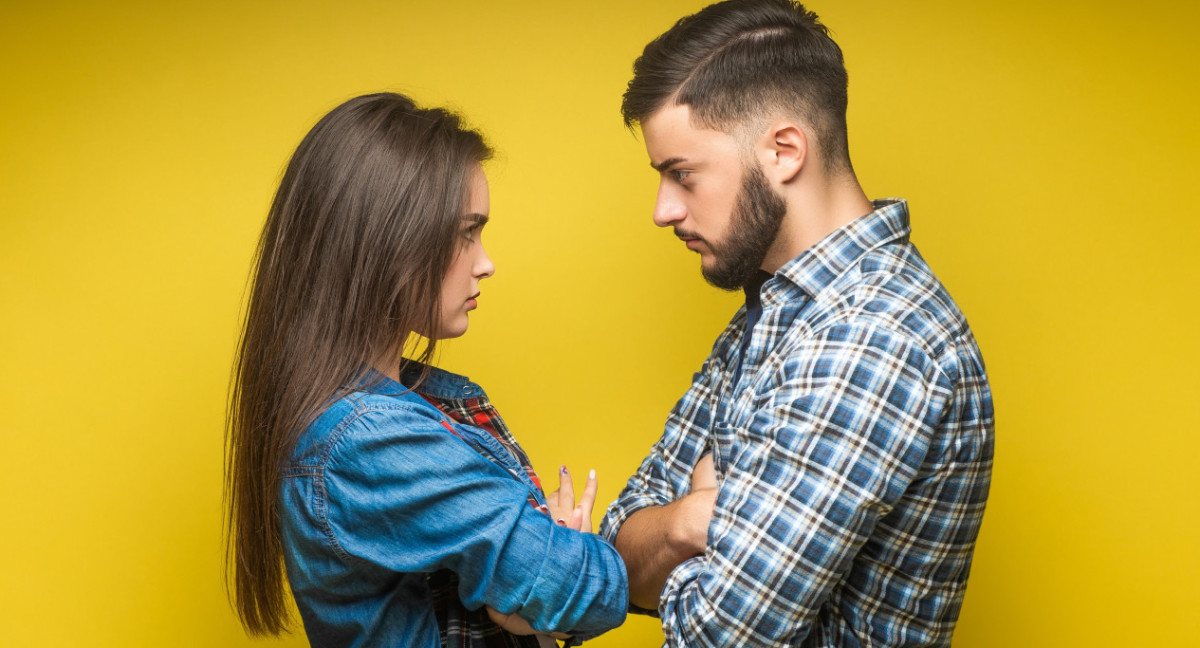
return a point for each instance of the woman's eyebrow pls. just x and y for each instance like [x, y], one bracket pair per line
[477, 220]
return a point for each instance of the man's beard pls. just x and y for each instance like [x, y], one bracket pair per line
[756, 219]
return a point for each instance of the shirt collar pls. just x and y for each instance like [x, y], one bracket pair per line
[815, 268]
[438, 383]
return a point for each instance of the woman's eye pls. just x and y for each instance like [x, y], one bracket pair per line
[680, 176]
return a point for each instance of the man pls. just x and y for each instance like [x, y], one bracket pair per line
[823, 480]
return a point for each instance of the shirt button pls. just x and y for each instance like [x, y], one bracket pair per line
[466, 390]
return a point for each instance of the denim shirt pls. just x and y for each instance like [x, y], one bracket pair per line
[384, 489]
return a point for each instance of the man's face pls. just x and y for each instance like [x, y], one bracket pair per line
[714, 196]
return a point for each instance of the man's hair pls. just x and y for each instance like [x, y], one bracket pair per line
[739, 61]
[351, 260]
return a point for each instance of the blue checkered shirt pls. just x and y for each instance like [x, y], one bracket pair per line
[853, 453]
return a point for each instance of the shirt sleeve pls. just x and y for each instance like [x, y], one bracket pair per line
[826, 455]
[400, 491]
[665, 474]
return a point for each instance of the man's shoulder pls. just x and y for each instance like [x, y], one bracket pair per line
[892, 288]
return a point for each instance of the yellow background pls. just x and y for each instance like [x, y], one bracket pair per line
[1048, 150]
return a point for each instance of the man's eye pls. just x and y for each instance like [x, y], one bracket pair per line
[680, 175]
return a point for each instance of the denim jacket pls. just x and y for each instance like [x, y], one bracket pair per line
[384, 489]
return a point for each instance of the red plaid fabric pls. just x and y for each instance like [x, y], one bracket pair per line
[482, 414]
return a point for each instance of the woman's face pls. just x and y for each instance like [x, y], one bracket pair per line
[460, 288]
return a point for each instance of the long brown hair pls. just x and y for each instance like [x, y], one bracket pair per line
[349, 265]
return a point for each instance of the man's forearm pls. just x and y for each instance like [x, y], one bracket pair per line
[654, 540]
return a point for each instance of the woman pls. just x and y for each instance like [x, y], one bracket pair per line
[391, 490]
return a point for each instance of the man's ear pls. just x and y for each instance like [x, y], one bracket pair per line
[784, 151]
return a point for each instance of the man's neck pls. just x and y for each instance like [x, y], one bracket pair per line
[813, 214]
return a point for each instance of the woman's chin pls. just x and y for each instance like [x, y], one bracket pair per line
[451, 332]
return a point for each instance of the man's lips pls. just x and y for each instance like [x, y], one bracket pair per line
[690, 240]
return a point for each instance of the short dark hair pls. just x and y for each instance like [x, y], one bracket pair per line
[737, 60]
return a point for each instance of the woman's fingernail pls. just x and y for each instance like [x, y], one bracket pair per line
[562, 522]
[562, 469]
[591, 474]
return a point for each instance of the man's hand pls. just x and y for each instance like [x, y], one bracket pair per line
[704, 475]
[654, 540]
[561, 502]
[689, 517]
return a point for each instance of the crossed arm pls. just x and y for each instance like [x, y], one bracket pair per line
[403, 493]
[565, 513]
[655, 540]
[807, 478]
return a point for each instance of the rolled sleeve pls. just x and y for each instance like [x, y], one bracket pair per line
[650, 486]
[665, 474]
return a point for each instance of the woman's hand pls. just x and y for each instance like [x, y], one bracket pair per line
[561, 502]
[565, 512]
[518, 626]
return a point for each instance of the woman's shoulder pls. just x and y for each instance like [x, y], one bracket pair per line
[363, 414]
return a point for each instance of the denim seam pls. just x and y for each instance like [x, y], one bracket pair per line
[335, 437]
[498, 455]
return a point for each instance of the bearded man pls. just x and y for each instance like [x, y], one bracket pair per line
[823, 481]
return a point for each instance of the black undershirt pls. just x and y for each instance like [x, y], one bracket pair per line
[753, 290]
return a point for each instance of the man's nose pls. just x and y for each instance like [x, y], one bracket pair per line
[668, 210]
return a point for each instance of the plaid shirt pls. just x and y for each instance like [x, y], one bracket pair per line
[458, 626]
[853, 453]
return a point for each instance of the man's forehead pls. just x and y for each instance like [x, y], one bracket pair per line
[671, 137]
[670, 120]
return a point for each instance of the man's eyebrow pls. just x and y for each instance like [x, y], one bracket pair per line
[667, 164]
